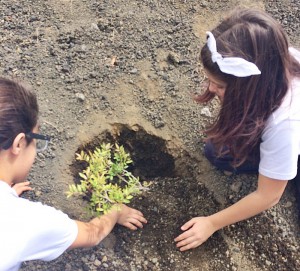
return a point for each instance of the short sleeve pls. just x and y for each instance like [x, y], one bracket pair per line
[31, 231]
[279, 150]
[53, 232]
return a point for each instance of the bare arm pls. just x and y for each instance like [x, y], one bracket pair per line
[267, 194]
[199, 229]
[93, 232]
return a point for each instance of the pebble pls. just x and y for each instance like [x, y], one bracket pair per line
[236, 249]
[97, 262]
[94, 26]
[236, 186]
[134, 71]
[173, 58]
[205, 112]
[80, 96]
[268, 263]
[288, 204]
[68, 267]
[154, 260]
[159, 123]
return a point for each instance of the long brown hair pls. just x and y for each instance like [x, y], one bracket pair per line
[18, 111]
[248, 101]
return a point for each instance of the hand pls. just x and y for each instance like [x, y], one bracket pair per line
[130, 218]
[196, 232]
[21, 187]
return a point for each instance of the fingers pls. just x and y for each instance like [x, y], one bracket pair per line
[136, 221]
[182, 236]
[130, 226]
[136, 214]
[185, 227]
[188, 224]
[187, 241]
[189, 246]
[133, 225]
[197, 231]
[131, 218]
[21, 187]
[21, 184]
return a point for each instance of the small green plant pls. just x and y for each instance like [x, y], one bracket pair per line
[106, 181]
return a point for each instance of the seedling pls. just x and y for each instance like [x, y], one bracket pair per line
[106, 180]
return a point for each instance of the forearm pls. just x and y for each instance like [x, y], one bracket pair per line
[267, 194]
[103, 225]
[247, 207]
[93, 232]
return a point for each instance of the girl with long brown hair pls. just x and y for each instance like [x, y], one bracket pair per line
[256, 75]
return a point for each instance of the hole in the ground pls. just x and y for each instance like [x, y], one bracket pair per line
[175, 196]
[149, 153]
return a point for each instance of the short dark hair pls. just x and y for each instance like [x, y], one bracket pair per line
[249, 101]
[18, 111]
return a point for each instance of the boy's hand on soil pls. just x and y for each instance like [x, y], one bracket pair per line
[196, 232]
[21, 187]
[131, 218]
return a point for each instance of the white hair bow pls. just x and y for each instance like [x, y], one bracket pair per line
[236, 66]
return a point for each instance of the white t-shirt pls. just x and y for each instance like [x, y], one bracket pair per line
[30, 230]
[280, 145]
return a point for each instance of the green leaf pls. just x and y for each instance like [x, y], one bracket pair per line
[105, 181]
[83, 176]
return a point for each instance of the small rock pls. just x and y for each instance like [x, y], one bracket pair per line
[289, 204]
[236, 187]
[37, 193]
[97, 262]
[94, 26]
[159, 124]
[154, 260]
[173, 58]
[227, 173]
[80, 96]
[268, 263]
[205, 112]
[134, 71]
[236, 249]
[68, 267]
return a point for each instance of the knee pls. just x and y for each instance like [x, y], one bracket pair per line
[209, 151]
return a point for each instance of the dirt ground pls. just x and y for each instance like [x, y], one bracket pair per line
[125, 71]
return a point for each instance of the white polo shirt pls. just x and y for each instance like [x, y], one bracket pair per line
[280, 145]
[30, 230]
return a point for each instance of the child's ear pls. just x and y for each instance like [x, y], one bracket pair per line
[18, 144]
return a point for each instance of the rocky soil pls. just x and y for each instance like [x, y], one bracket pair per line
[125, 71]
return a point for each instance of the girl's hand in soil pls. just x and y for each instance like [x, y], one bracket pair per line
[196, 232]
[130, 218]
[21, 187]
[93, 232]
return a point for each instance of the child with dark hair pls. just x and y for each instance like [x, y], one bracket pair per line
[30, 230]
[256, 75]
